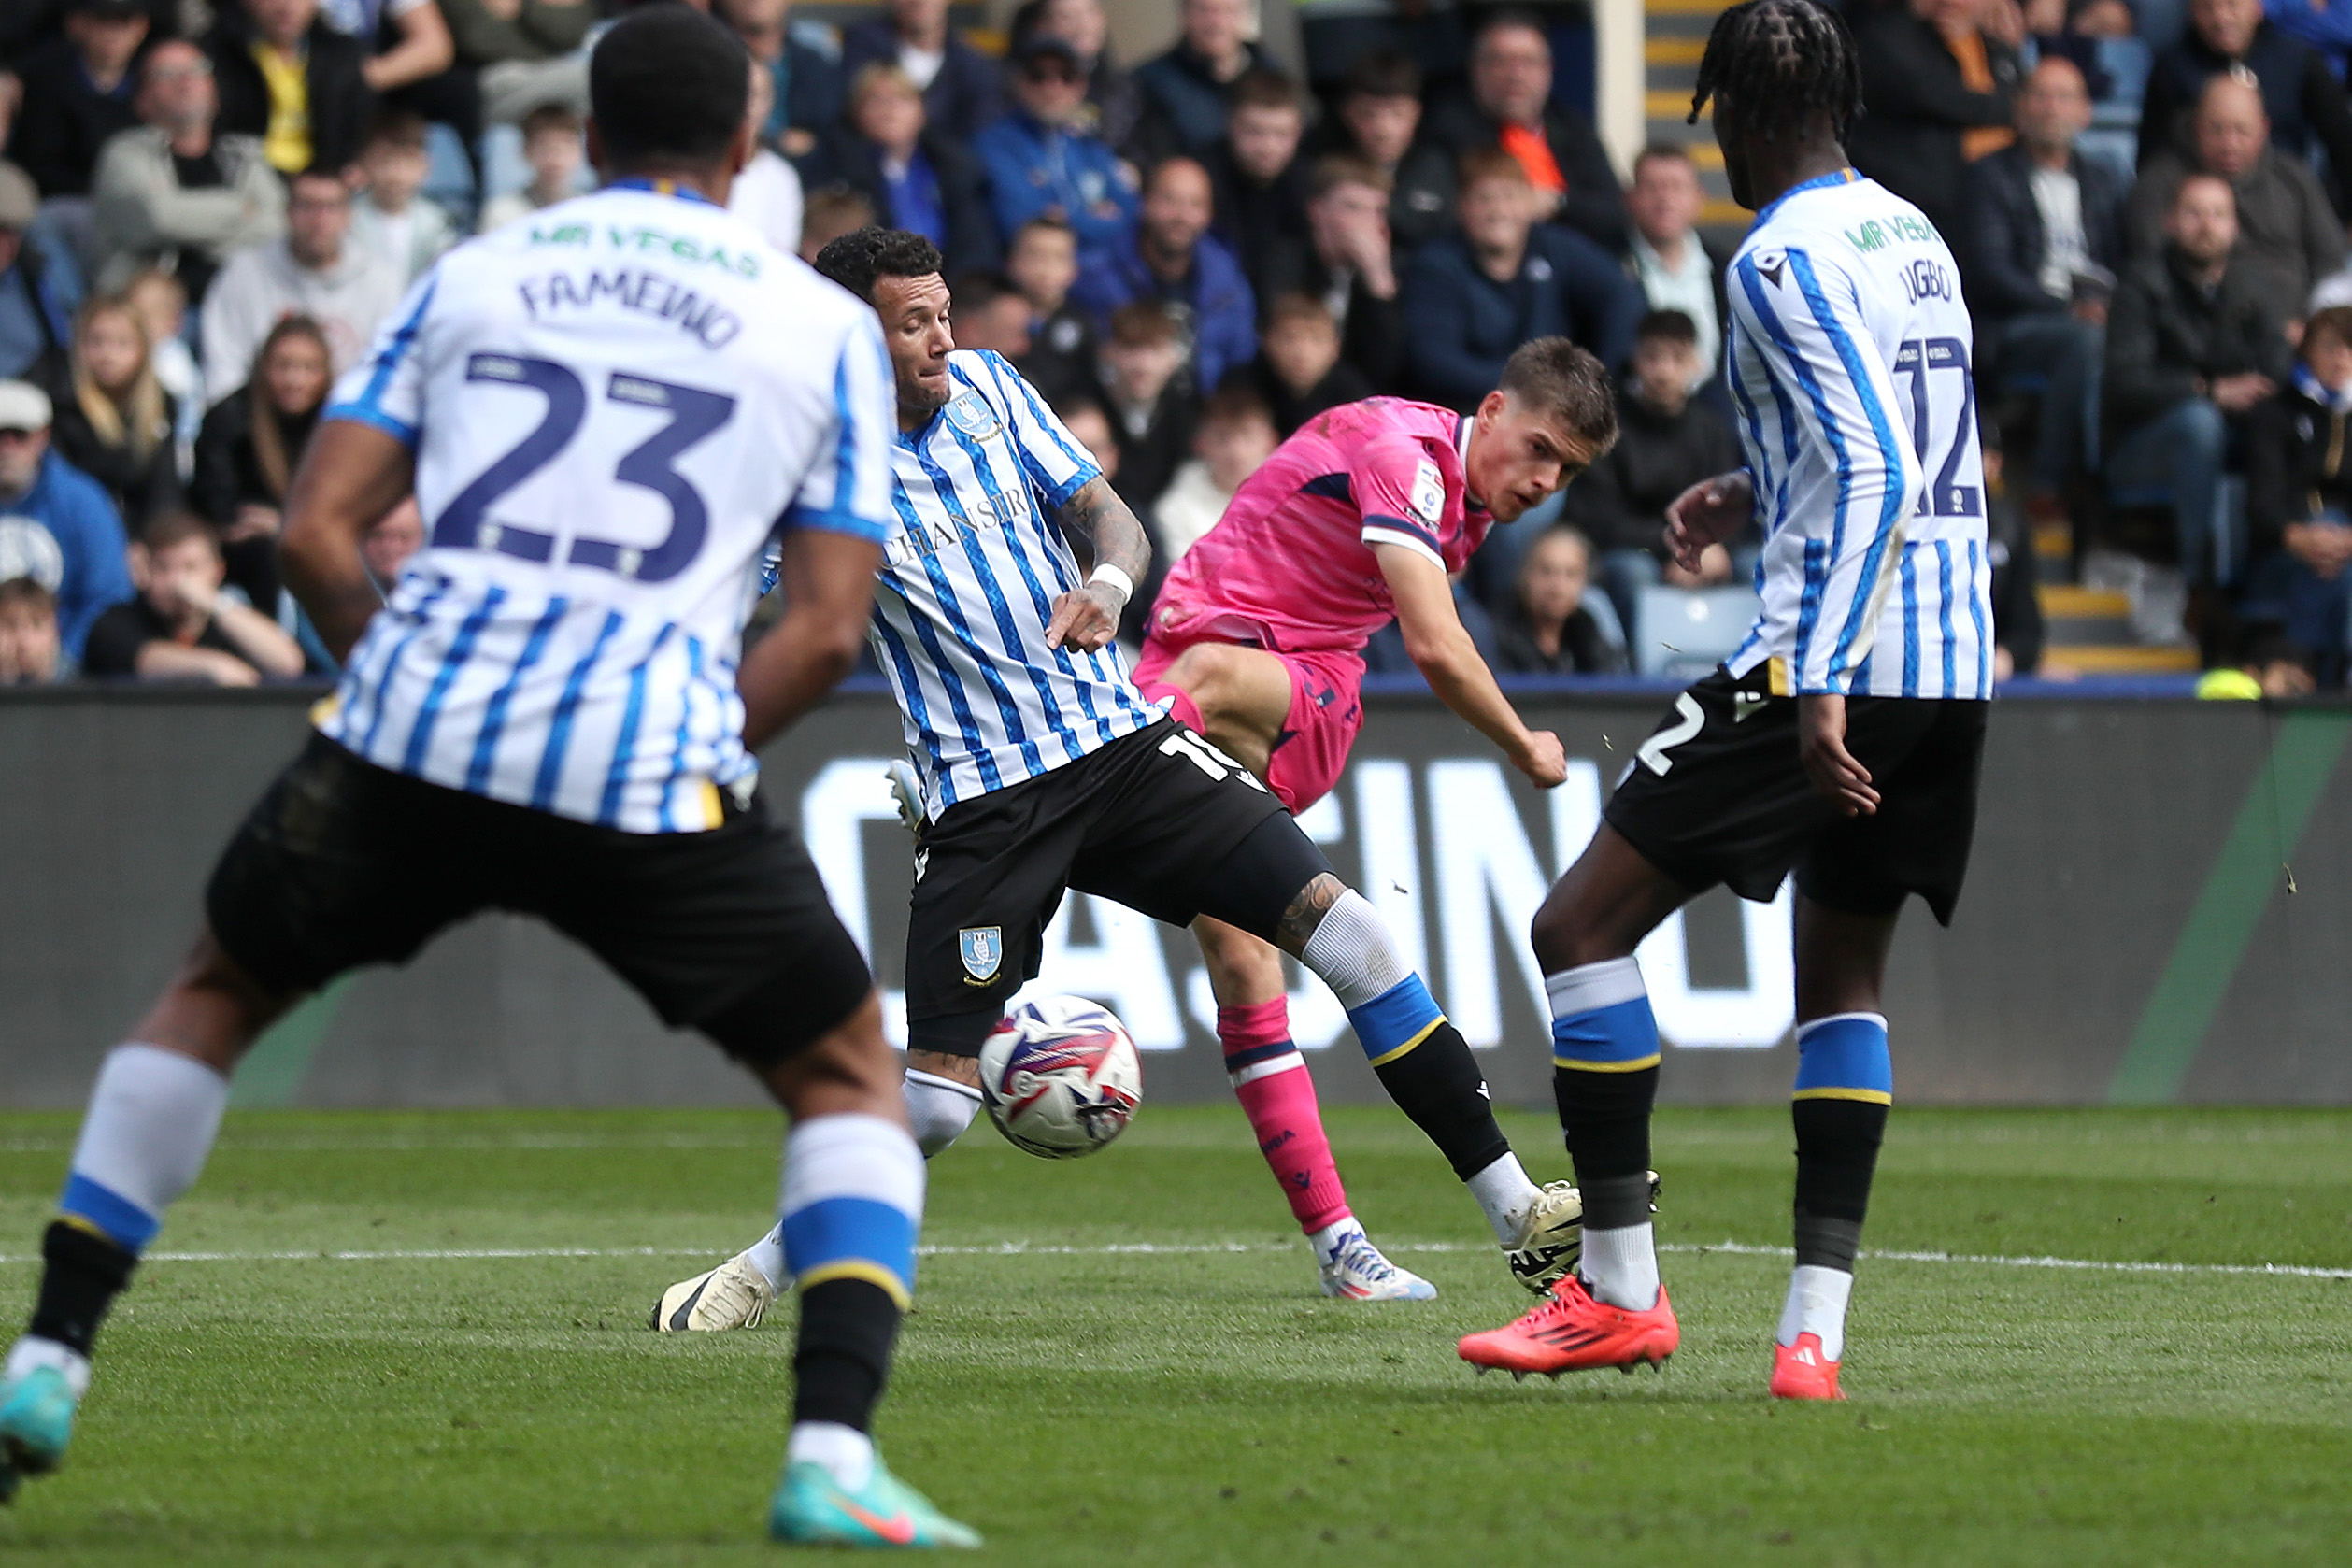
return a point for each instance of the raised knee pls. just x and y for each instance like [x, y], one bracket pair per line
[1204, 671]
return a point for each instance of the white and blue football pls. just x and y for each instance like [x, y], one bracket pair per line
[1061, 1077]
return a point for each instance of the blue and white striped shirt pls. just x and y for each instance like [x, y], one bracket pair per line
[615, 406]
[970, 571]
[1850, 357]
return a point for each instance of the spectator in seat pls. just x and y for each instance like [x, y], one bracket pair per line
[1667, 441]
[1234, 438]
[1511, 107]
[40, 287]
[252, 443]
[117, 423]
[552, 146]
[1185, 89]
[1379, 121]
[2298, 498]
[832, 212]
[803, 66]
[183, 626]
[2288, 230]
[162, 305]
[286, 76]
[1118, 103]
[78, 91]
[959, 84]
[917, 178]
[2017, 607]
[30, 654]
[176, 193]
[1299, 372]
[1666, 255]
[524, 53]
[1547, 628]
[1063, 354]
[56, 524]
[1084, 419]
[314, 271]
[766, 193]
[1174, 260]
[1469, 300]
[2194, 342]
[1151, 403]
[1939, 88]
[1042, 161]
[2044, 241]
[990, 314]
[1345, 263]
[390, 220]
[1258, 184]
[2302, 97]
[409, 54]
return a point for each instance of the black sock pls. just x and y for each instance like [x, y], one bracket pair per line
[1604, 1118]
[1837, 1154]
[82, 1276]
[847, 1327]
[1438, 1085]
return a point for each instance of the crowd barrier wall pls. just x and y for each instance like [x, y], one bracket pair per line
[2158, 911]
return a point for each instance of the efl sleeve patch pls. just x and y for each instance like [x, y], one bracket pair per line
[1428, 495]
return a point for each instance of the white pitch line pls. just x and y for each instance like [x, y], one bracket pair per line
[1150, 1249]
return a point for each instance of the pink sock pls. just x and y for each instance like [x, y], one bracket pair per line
[1270, 1080]
[1181, 706]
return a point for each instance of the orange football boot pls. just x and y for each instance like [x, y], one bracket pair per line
[1570, 1332]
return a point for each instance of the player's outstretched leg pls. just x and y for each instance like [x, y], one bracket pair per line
[152, 1118]
[1605, 1078]
[851, 1209]
[1276, 885]
[738, 1293]
[1844, 1087]
[1278, 1093]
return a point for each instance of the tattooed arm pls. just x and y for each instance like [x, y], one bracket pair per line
[1087, 618]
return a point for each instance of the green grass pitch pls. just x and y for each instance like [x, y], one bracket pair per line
[1195, 1405]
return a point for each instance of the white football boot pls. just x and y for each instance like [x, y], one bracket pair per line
[1551, 1236]
[1354, 1269]
[734, 1295]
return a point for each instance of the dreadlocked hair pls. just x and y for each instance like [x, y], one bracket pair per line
[1784, 62]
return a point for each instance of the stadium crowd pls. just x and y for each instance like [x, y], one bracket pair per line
[207, 210]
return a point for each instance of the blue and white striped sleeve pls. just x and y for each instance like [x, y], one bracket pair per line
[1802, 315]
[848, 486]
[1055, 464]
[386, 389]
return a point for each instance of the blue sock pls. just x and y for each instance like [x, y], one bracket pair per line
[1600, 1017]
[853, 1202]
[1844, 1056]
[153, 1115]
[1396, 1020]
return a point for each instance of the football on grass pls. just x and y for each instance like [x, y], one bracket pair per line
[1061, 1077]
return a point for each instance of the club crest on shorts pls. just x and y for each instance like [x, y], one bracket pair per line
[982, 950]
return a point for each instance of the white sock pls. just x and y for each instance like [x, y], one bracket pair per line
[153, 1115]
[939, 1109]
[1350, 950]
[32, 1353]
[767, 1256]
[1326, 1241]
[847, 1453]
[1620, 1266]
[1505, 1195]
[1816, 1305]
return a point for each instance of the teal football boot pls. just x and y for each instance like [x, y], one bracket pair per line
[36, 1421]
[811, 1509]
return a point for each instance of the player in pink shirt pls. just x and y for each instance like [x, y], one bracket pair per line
[1257, 640]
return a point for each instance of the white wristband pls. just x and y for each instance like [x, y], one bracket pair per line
[1111, 576]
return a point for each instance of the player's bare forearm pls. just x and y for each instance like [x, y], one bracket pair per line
[828, 584]
[1463, 683]
[1442, 650]
[1087, 618]
[350, 477]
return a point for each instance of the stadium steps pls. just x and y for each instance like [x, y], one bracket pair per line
[2088, 630]
[1675, 35]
